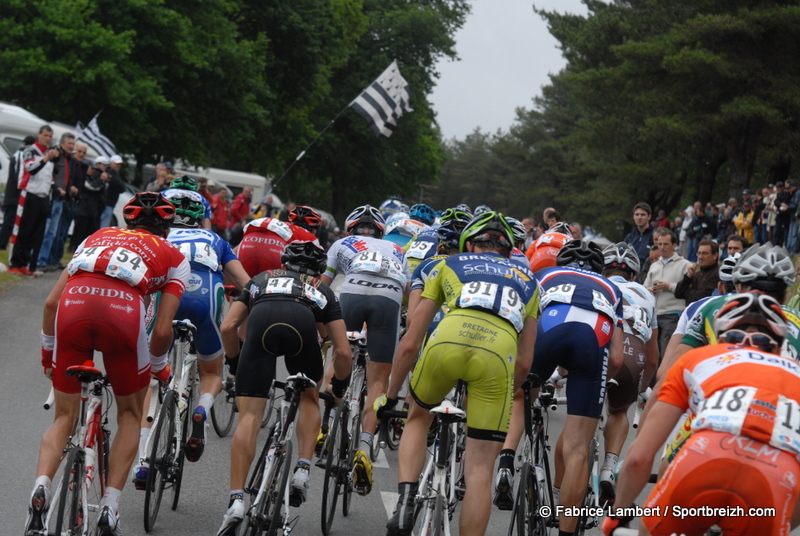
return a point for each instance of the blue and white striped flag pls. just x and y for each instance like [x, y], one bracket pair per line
[94, 139]
[384, 101]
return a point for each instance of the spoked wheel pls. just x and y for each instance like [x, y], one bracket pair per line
[277, 491]
[525, 519]
[224, 408]
[70, 518]
[354, 440]
[431, 517]
[335, 475]
[394, 432]
[181, 458]
[586, 522]
[161, 460]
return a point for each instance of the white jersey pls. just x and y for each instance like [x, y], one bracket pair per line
[639, 308]
[371, 266]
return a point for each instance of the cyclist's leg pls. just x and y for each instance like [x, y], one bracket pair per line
[126, 440]
[572, 451]
[412, 450]
[67, 407]
[478, 470]
[243, 444]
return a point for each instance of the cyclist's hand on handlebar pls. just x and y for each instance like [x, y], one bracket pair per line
[383, 403]
[49, 373]
[612, 523]
[233, 364]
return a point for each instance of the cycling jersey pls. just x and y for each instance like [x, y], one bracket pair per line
[582, 289]
[371, 266]
[418, 279]
[402, 230]
[264, 241]
[204, 249]
[421, 247]
[195, 196]
[544, 250]
[519, 257]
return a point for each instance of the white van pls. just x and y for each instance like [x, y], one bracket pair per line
[236, 181]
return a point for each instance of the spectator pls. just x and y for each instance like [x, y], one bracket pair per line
[662, 220]
[35, 182]
[551, 218]
[576, 230]
[91, 202]
[241, 207]
[11, 197]
[116, 185]
[654, 256]
[782, 215]
[744, 221]
[769, 208]
[63, 188]
[662, 278]
[701, 278]
[695, 231]
[641, 237]
[794, 208]
[736, 244]
[284, 215]
[203, 189]
[160, 181]
[759, 217]
[220, 213]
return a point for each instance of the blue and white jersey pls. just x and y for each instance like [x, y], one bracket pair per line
[204, 249]
[423, 270]
[519, 257]
[639, 308]
[194, 195]
[582, 289]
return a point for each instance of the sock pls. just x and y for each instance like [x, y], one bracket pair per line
[206, 400]
[610, 461]
[556, 496]
[303, 463]
[144, 435]
[43, 480]
[507, 460]
[236, 494]
[407, 491]
[111, 499]
[366, 441]
[564, 533]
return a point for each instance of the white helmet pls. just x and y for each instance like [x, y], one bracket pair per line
[768, 268]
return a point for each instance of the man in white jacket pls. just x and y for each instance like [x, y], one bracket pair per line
[661, 280]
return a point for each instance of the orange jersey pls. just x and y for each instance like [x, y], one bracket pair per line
[143, 260]
[738, 390]
[544, 250]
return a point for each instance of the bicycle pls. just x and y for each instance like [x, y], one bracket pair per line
[268, 484]
[83, 480]
[224, 408]
[440, 486]
[591, 500]
[171, 429]
[341, 442]
[535, 484]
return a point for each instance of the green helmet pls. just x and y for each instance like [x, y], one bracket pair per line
[189, 210]
[184, 182]
[489, 226]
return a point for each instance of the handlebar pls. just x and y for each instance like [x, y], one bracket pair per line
[50, 399]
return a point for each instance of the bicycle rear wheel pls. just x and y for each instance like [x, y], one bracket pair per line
[177, 475]
[70, 519]
[224, 408]
[161, 460]
[354, 439]
[277, 491]
[525, 520]
[587, 522]
[335, 475]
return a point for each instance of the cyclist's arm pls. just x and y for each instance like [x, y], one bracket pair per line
[206, 223]
[650, 359]
[325, 278]
[230, 336]
[161, 339]
[342, 356]
[668, 361]
[525, 344]
[616, 353]
[413, 302]
[235, 274]
[409, 346]
[639, 461]
[51, 305]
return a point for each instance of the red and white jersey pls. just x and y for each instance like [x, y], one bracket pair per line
[264, 241]
[143, 260]
[738, 390]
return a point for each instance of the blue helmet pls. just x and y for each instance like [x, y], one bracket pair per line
[392, 205]
[423, 213]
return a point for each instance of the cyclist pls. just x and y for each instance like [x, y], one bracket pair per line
[265, 238]
[640, 348]
[544, 250]
[492, 318]
[202, 304]
[97, 305]
[392, 206]
[580, 311]
[284, 307]
[426, 244]
[520, 234]
[376, 280]
[482, 209]
[186, 183]
[422, 213]
[744, 448]
[401, 229]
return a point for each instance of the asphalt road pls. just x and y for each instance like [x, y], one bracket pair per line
[205, 486]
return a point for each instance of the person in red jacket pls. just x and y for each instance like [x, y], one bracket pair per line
[241, 206]
[221, 213]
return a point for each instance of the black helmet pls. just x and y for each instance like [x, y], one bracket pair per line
[149, 209]
[305, 258]
[586, 255]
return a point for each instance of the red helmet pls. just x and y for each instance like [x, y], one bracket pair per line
[305, 217]
[149, 209]
[545, 250]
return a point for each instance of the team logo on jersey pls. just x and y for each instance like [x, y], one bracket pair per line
[67, 303]
[727, 359]
[789, 480]
[195, 282]
[355, 244]
[127, 308]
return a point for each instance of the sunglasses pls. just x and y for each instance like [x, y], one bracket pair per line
[746, 338]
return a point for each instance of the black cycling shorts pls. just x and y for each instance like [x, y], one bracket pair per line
[382, 316]
[277, 328]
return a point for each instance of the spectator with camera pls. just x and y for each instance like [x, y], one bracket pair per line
[91, 201]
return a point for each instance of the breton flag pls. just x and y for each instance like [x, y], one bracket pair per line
[384, 101]
[94, 139]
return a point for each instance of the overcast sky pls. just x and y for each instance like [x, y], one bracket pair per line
[506, 56]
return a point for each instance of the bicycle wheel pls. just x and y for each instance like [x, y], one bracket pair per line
[336, 445]
[354, 440]
[161, 460]
[394, 432]
[431, 522]
[258, 470]
[224, 408]
[177, 476]
[277, 491]
[70, 518]
[587, 522]
[525, 519]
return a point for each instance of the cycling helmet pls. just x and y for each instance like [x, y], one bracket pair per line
[405, 227]
[545, 250]
[189, 210]
[464, 208]
[366, 218]
[481, 209]
[454, 214]
[149, 209]
[449, 232]
[304, 257]
[727, 266]
[305, 217]
[751, 309]
[184, 182]
[422, 212]
[391, 205]
[561, 227]
[487, 227]
[767, 268]
[519, 230]
[621, 255]
[587, 255]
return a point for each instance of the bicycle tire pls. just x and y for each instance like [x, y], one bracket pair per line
[181, 454]
[160, 460]
[258, 470]
[588, 498]
[278, 493]
[438, 516]
[394, 431]
[224, 409]
[269, 412]
[354, 441]
[334, 474]
[70, 513]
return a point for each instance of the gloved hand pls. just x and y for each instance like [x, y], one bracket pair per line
[612, 523]
[233, 364]
[383, 403]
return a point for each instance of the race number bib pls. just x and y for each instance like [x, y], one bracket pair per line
[602, 305]
[725, 410]
[395, 271]
[786, 432]
[638, 320]
[199, 253]
[368, 261]
[85, 260]
[484, 295]
[315, 295]
[127, 266]
[558, 294]
[281, 229]
[419, 249]
[280, 285]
